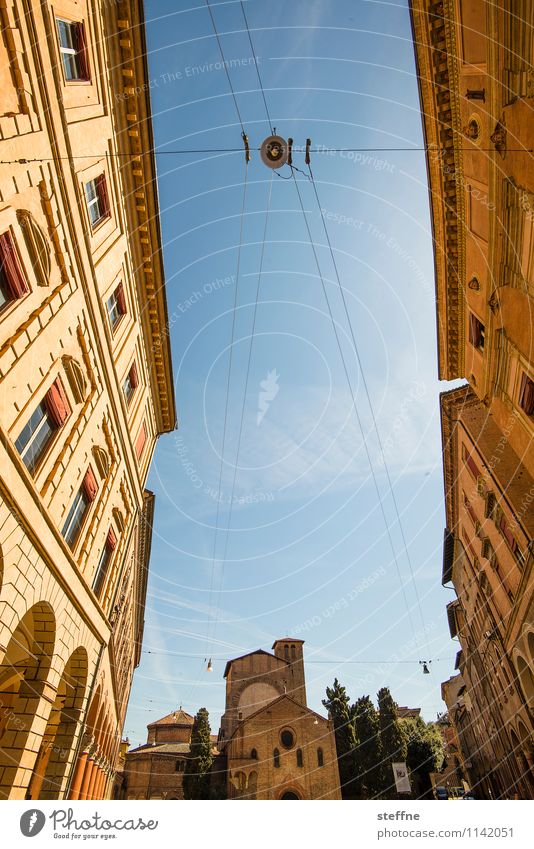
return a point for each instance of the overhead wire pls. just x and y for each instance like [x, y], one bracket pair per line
[296, 149]
[225, 64]
[243, 404]
[369, 402]
[228, 380]
[256, 66]
[358, 417]
[331, 660]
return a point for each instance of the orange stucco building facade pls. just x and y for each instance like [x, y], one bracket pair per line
[474, 69]
[86, 387]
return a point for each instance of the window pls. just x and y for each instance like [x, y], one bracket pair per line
[286, 738]
[299, 757]
[130, 384]
[116, 306]
[470, 463]
[476, 332]
[96, 195]
[254, 755]
[286, 652]
[179, 766]
[293, 653]
[507, 534]
[105, 560]
[73, 50]
[140, 442]
[77, 513]
[490, 505]
[12, 282]
[37, 433]
[470, 511]
[276, 758]
[320, 757]
[526, 394]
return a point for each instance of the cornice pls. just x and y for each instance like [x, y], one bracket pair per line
[133, 117]
[433, 27]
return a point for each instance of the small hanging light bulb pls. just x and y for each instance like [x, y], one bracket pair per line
[209, 667]
[316, 721]
[426, 670]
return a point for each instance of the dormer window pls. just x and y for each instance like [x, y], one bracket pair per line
[73, 50]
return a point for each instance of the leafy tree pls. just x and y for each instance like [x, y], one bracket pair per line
[196, 782]
[369, 751]
[392, 740]
[338, 705]
[424, 754]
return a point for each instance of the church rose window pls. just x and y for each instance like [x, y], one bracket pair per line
[287, 738]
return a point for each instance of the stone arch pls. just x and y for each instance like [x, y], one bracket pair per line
[526, 678]
[23, 678]
[530, 648]
[54, 758]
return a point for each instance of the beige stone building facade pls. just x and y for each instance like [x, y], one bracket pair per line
[275, 746]
[474, 67]
[86, 386]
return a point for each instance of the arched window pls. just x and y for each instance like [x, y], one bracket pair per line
[276, 758]
[179, 766]
[254, 755]
[293, 653]
[286, 652]
[299, 757]
[320, 758]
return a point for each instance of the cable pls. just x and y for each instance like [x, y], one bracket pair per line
[243, 405]
[333, 660]
[225, 64]
[296, 149]
[230, 358]
[357, 413]
[257, 69]
[371, 408]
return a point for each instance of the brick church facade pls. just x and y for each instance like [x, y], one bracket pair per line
[270, 744]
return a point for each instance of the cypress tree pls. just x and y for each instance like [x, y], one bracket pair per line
[338, 706]
[196, 782]
[369, 752]
[392, 741]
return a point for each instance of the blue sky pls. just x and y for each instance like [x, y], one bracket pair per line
[307, 552]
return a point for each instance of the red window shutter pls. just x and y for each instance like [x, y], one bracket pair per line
[90, 485]
[526, 394]
[103, 199]
[10, 263]
[140, 441]
[472, 466]
[121, 300]
[111, 541]
[475, 335]
[57, 403]
[134, 377]
[81, 50]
